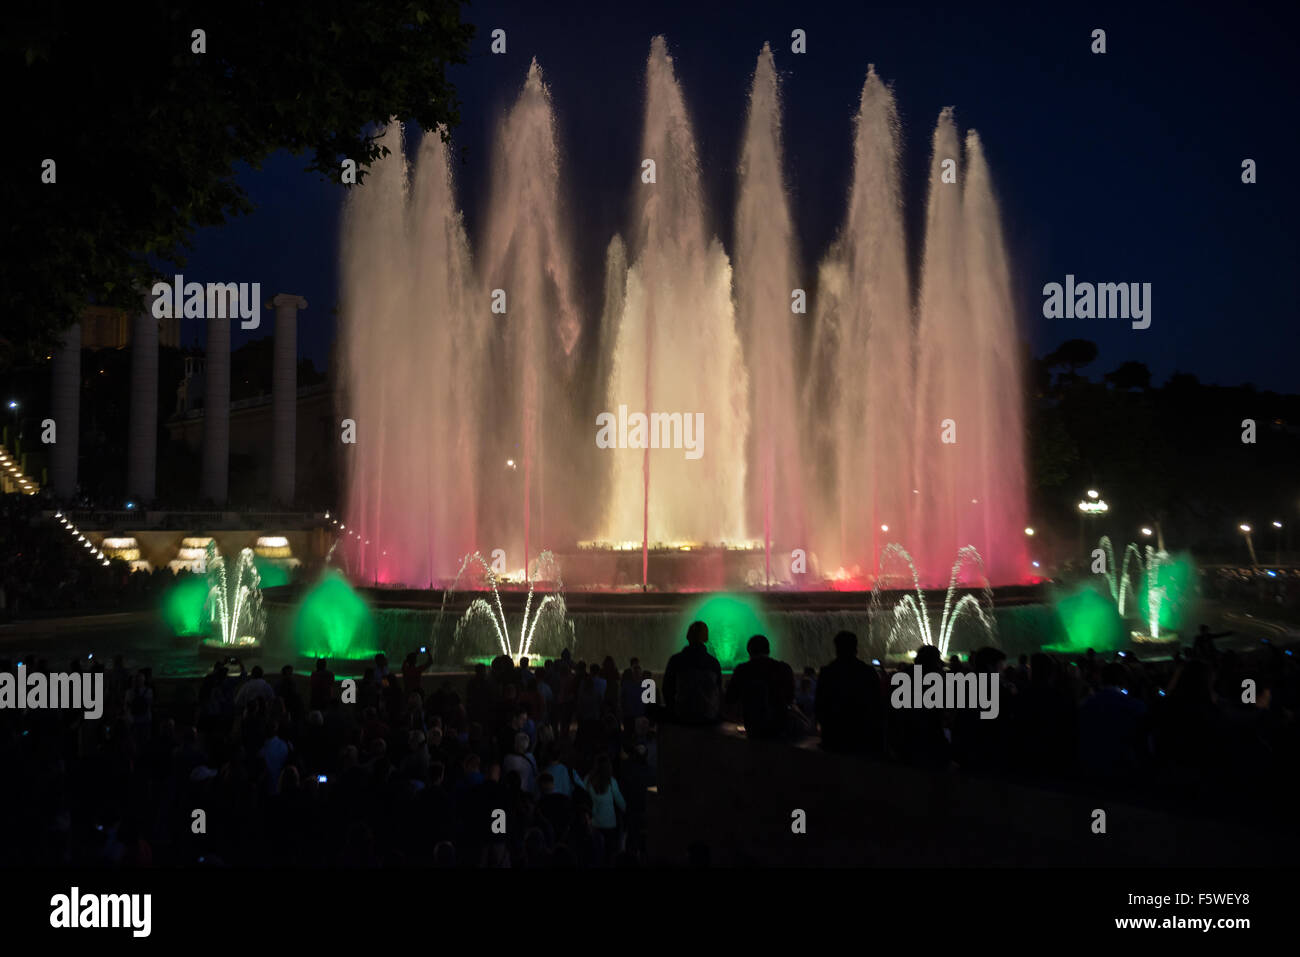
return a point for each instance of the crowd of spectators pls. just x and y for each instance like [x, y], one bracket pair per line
[1277, 587]
[549, 764]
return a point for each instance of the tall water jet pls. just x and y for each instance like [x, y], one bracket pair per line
[405, 302]
[528, 258]
[448, 434]
[473, 423]
[765, 279]
[996, 375]
[946, 424]
[373, 336]
[860, 396]
[676, 349]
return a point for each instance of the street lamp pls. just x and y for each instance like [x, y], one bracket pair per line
[1250, 544]
[1277, 542]
[1146, 532]
[1090, 507]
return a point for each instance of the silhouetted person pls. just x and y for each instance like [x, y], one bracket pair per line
[322, 687]
[1044, 718]
[413, 671]
[1203, 647]
[1191, 725]
[287, 690]
[920, 734]
[850, 703]
[1111, 725]
[693, 681]
[762, 688]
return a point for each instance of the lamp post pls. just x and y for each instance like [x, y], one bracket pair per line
[1090, 506]
[1277, 542]
[1250, 545]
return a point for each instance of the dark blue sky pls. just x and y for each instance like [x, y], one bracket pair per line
[1117, 167]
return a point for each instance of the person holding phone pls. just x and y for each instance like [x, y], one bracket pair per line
[412, 671]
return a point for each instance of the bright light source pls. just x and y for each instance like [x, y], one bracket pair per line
[884, 528]
[1277, 524]
[1035, 564]
[1146, 531]
[1029, 531]
[1093, 493]
[13, 403]
[1244, 527]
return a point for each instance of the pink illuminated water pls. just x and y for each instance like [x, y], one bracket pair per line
[823, 429]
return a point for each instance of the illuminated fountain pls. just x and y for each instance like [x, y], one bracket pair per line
[557, 632]
[907, 625]
[1148, 606]
[192, 556]
[844, 406]
[333, 621]
[1117, 576]
[275, 550]
[234, 604]
[128, 550]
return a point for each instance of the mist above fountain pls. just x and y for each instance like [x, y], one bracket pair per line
[879, 414]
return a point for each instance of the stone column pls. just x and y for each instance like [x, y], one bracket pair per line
[215, 477]
[65, 404]
[284, 396]
[142, 449]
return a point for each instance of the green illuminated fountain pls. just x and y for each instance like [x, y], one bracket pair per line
[1152, 590]
[1090, 621]
[183, 604]
[335, 622]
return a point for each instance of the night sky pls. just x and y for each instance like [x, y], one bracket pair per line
[1122, 167]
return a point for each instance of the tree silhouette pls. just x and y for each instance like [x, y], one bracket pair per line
[1130, 375]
